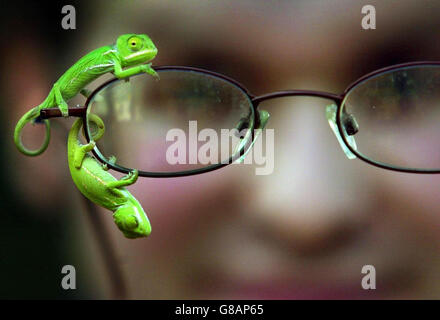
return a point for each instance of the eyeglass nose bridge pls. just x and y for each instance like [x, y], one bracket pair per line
[349, 123]
[296, 93]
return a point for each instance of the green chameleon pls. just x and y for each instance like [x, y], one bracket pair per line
[130, 50]
[98, 185]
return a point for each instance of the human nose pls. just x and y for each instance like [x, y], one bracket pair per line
[315, 195]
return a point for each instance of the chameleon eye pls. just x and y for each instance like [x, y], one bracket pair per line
[131, 223]
[134, 43]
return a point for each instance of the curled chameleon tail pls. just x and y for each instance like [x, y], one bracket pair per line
[26, 118]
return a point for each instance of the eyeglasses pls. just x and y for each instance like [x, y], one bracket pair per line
[389, 118]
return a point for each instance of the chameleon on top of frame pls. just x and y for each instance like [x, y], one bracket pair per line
[130, 51]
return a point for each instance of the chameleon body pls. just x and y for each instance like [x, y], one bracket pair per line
[98, 185]
[130, 51]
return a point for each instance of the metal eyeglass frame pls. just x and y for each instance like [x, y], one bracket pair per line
[338, 99]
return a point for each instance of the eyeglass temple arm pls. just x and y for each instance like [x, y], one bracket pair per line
[330, 112]
[78, 111]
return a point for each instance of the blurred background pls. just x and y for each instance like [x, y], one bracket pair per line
[304, 231]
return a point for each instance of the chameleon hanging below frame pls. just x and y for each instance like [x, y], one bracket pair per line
[130, 51]
[98, 185]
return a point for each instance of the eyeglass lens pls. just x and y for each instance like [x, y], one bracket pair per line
[171, 125]
[394, 117]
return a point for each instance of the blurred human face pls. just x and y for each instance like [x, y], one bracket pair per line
[307, 229]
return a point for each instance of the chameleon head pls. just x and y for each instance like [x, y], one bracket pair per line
[135, 49]
[132, 220]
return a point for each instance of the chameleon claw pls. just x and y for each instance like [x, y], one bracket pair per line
[131, 176]
[146, 68]
[128, 176]
[85, 92]
[64, 108]
[154, 74]
[111, 160]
